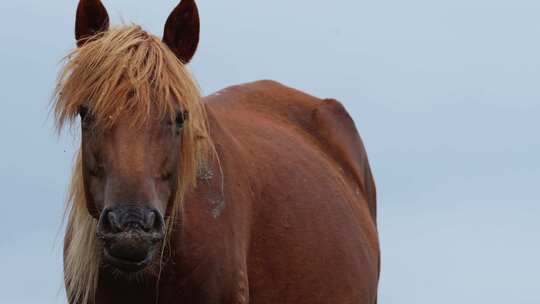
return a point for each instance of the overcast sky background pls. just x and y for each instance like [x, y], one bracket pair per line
[445, 95]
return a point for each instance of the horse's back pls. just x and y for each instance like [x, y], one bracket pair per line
[313, 234]
[325, 121]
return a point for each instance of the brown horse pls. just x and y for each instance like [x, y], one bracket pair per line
[256, 194]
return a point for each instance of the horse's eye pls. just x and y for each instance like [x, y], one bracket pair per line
[83, 110]
[181, 117]
[166, 176]
[98, 171]
[86, 117]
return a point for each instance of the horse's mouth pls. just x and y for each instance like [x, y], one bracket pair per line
[128, 265]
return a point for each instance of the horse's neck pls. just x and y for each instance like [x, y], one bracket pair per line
[213, 239]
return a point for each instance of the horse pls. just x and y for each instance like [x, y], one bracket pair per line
[258, 193]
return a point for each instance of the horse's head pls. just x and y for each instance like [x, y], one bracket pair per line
[139, 149]
[130, 180]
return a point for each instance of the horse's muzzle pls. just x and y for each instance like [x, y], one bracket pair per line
[131, 235]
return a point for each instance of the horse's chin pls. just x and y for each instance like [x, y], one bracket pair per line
[127, 265]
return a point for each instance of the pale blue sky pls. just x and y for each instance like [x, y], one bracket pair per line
[444, 93]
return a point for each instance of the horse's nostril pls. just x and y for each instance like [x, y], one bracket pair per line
[150, 220]
[158, 223]
[108, 223]
[155, 225]
[113, 222]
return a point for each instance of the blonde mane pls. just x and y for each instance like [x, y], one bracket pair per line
[123, 71]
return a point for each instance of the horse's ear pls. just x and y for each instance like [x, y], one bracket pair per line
[182, 30]
[92, 18]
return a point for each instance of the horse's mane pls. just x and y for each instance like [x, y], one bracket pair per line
[123, 71]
